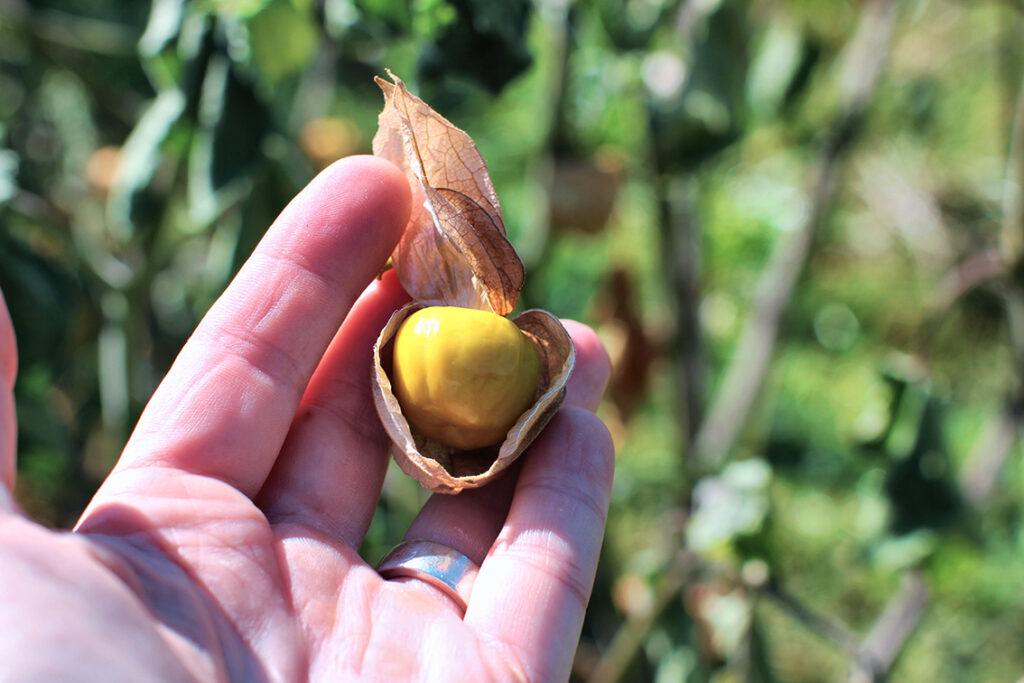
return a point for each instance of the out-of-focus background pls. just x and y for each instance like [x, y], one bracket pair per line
[798, 226]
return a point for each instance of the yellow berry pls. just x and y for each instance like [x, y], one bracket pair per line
[463, 376]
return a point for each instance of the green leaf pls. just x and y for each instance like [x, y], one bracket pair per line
[163, 26]
[705, 114]
[236, 8]
[630, 25]
[431, 16]
[228, 144]
[282, 40]
[8, 175]
[40, 295]
[486, 44]
[395, 14]
[775, 67]
[140, 158]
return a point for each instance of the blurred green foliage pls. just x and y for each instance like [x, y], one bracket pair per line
[144, 148]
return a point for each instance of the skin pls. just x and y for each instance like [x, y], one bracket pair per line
[223, 546]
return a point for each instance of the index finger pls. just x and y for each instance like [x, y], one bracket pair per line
[224, 408]
[8, 422]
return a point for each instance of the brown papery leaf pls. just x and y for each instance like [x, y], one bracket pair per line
[454, 252]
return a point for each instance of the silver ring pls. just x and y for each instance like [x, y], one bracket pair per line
[443, 568]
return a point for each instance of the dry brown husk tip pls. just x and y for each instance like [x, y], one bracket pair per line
[454, 252]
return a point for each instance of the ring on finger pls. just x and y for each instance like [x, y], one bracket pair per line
[436, 564]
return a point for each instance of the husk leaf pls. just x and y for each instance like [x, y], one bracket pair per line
[454, 251]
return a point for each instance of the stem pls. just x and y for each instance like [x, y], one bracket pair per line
[70, 30]
[866, 55]
[1012, 230]
[979, 475]
[720, 428]
[827, 628]
[630, 637]
[680, 240]
[885, 641]
[557, 22]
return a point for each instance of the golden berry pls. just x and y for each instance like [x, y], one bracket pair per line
[463, 376]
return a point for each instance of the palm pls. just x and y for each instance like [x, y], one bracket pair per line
[223, 546]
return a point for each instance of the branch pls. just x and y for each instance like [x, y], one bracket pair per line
[978, 269]
[630, 637]
[558, 33]
[827, 628]
[680, 241]
[70, 30]
[865, 57]
[718, 431]
[873, 656]
[980, 473]
[885, 641]
[1012, 230]
[679, 238]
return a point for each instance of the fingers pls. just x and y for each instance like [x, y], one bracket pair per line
[593, 367]
[531, 593]
[332, 465]
[471, 520]
[225, 406]
[8, 421]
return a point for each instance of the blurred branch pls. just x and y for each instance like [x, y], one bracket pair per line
[630, 637]
[557, 18]
[865, 57]
[39, 207]
[975, 270]
[978, 478]
[884, 643]
[69, 30]
[679, 236]
[825, 627]
[981, 471]
[680, 239]
[689, 15]
[887, 637]
[1012, 229]
[873, 656]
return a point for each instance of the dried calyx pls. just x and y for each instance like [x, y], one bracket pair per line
[454, 253]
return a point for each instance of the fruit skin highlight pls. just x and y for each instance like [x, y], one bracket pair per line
[463, 376]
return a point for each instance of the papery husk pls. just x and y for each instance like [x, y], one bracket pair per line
[443, 469]
[454, 251]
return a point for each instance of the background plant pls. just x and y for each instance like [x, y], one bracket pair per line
[798, 225]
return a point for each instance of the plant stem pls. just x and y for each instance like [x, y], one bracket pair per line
[866, 55]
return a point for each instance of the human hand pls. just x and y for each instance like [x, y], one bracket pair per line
[223, 546]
